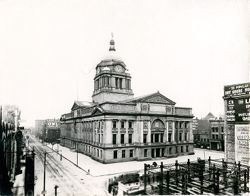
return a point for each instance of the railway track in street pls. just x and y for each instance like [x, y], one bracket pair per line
[58, 173]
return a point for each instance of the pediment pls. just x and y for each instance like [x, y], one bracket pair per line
[74, 107]
[97, 110]
[157, 98]
[81, 104]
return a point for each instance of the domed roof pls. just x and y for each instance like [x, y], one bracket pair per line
[112, 57]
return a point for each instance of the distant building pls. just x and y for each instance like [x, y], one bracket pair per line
[48, 130]
[209, 133]
[116, 127]
[217, 137]
[39, 127]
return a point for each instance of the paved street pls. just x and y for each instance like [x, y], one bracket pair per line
[70, 179]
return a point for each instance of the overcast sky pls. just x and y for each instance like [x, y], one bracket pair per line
[188, 50]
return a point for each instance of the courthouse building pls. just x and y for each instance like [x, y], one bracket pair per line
[116, 126]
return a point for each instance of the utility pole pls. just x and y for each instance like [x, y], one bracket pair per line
[44, 174]
[77, 153]
[56, 187]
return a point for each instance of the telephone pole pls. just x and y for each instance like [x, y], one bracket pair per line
[44, 174]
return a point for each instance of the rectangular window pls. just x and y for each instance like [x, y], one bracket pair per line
[114, 138]
[222, 129]
[180, 136]
[114, 124]
[122, 124]
[186, 124]
[170, 150]
[186, 148]
[217, 136]
[156, 137]
[181, 148]
[123, 153]
[212, 136]
[131, 153]
[130, 138]
[162, 138]
[115, 154]
[185, 136]
[152, 138]
[122, 138]
[145, 152]
[169, 137]
[145, 138]
[130, 124]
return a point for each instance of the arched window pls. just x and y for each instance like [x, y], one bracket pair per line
[158, 125]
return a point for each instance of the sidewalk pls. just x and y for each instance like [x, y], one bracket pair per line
[99, 169]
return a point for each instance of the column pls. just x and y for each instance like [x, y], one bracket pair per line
[112, 82]
[166, 137]
[149, 133]
[173, 132]
[191, 139]
[123, 83]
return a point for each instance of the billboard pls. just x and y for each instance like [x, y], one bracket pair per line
[52, 123]
[238, 110]
[236, 90]
[242, 144]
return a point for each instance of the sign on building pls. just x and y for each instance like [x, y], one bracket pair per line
[237, 111]
[242, 145]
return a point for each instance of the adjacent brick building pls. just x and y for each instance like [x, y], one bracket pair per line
[209, 133]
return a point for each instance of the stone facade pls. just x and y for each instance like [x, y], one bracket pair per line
[116, 127]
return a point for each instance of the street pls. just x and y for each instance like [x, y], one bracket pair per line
[69, 179]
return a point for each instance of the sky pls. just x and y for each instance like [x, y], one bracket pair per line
[186, 49]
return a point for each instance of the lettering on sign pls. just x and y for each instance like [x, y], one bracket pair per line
[242, 151]
[236, 90]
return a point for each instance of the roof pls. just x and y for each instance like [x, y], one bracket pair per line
[82, 104]
[209, 116]
[150, 98]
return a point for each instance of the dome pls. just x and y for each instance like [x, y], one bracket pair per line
[112, 57]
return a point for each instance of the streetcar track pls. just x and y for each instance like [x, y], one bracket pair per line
[50, 169]
[55, 172]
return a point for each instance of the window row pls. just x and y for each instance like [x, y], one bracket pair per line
[122, 139]
[216, 136]
[123, 124]
[216, 129]
[124, 154]
[181, 124]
